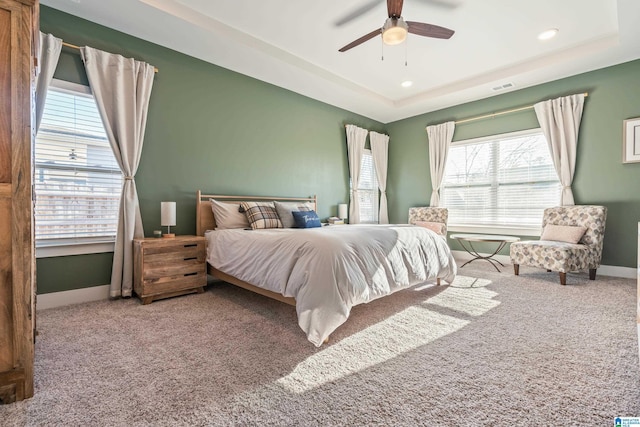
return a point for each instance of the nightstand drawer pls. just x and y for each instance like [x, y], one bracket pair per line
[169, 266]
[154, 271]
[173, 260]
[175, 282]
[175, 250]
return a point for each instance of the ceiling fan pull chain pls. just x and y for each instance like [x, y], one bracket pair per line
[381, 49]
[406, 44]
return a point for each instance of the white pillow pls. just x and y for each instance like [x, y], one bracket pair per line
[563, 233]
[227, 215]
[285, 210]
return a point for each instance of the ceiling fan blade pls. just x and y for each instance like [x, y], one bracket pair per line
[394, 7]
[361, 40]
[357, 12]
[445, 4]
[428, 30]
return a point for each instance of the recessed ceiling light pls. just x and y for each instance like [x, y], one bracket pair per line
[406, 83]
[548, 34]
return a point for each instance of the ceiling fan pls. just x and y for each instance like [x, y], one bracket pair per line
[395, 29]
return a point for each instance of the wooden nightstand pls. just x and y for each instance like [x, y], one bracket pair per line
[167, 267]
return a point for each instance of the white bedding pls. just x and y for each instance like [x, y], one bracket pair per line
[329, 270]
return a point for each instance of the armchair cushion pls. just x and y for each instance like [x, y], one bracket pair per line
[555, 256]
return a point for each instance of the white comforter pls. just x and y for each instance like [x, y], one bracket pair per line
[328, 270]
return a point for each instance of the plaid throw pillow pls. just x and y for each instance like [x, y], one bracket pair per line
[261, 215]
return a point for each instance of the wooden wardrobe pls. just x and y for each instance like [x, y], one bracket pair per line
[18, 45]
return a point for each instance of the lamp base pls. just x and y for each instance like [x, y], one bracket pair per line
[169, 235]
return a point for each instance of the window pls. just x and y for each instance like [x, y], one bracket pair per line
[500, 181]
[77, 179]
[368, 191]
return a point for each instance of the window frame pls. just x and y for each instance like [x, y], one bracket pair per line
[65, 247]
[375, 191]
[495, 229]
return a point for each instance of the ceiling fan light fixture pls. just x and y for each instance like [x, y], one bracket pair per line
[394, 31]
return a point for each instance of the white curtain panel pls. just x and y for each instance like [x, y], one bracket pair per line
[122, 88]
[356, 138]
[380, 152]
[440, 137]
[48, 56]
[560, 122]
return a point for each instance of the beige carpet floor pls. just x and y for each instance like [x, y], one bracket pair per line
[490, 350]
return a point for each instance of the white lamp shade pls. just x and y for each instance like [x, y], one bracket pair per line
[167, 213]
[342, 211]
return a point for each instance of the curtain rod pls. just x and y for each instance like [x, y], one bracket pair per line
[500, 113]
[73, 46]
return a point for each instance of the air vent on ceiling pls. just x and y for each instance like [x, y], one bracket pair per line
[503, 87]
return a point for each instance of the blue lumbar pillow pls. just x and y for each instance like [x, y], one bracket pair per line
[306, 219]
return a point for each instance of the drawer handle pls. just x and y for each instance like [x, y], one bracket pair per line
[191, 274]
[191, 258]
[191, 245]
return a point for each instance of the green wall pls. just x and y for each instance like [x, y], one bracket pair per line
[211, 129]
[73, 272]
[216, 130]
[600, 178]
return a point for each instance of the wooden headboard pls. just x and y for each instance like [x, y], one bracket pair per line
[204, 215]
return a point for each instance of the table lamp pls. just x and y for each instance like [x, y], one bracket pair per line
[168, 217]
[343, 212]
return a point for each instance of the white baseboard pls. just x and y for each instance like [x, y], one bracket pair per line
[604, 270]
[615, 271]
[74, 296]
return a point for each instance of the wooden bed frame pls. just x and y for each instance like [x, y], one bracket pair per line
[206, 221]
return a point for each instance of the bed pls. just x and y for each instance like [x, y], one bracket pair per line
[323, 271]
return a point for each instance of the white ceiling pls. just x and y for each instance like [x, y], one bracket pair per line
[294, 44]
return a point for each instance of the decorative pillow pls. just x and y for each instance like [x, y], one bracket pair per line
[261, 215]
[563, 233]
[306, 219]
[285, 210]
[437, 227]
[227, 215]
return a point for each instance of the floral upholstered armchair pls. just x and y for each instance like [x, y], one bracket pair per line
[572, 238]
[433, 218]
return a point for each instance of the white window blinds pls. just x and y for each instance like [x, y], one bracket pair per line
[77, 180]
[368, 191]
[502, 180]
